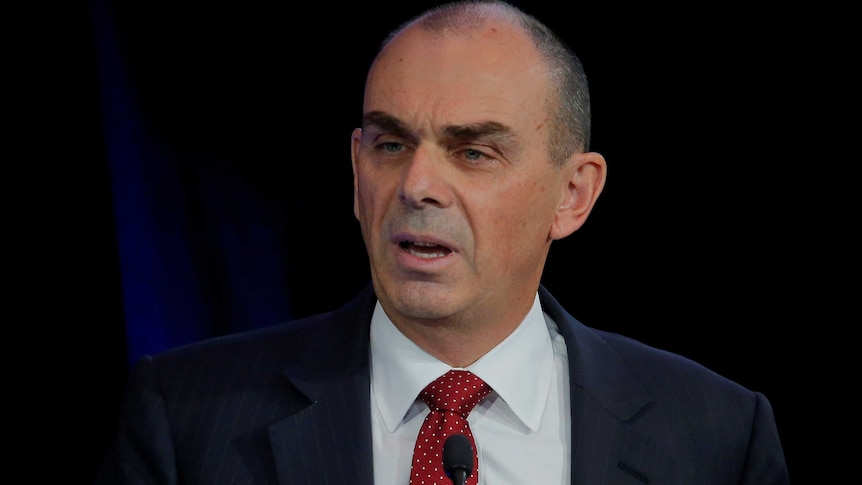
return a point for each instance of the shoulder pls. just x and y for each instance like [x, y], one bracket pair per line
[659, 371]
[327, 337]
[689, 410]
[656, 365]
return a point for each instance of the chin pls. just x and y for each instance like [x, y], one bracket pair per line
[422, 299]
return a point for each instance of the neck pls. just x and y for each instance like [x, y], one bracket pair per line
[461, 340]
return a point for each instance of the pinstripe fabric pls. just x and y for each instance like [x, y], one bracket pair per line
[287, 404]
[643, 415]
[290, 405]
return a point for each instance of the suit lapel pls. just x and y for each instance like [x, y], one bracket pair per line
[328, 439]
[605, 398]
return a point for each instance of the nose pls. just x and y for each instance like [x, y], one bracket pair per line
[424, 180]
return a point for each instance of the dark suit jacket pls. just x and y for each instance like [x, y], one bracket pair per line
[289, 404]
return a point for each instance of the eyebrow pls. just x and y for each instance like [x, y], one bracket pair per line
[387, 123]
[468, 132]
[481, 130]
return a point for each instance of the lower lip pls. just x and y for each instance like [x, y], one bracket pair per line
[409, 261]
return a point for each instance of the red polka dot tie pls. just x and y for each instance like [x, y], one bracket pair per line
[451, 398]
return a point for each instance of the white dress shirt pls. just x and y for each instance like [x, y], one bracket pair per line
[521, 429]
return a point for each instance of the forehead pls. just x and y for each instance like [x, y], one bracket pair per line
[490, 73]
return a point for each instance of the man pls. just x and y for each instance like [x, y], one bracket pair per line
[473, 156]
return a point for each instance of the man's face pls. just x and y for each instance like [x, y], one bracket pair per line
[454, 193]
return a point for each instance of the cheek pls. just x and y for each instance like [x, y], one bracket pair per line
[364, 203]
[371, 199]
[525, 211]
[364, 209]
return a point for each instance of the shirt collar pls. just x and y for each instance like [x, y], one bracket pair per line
[519, 368]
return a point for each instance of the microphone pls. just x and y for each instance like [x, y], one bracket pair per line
[458, 458]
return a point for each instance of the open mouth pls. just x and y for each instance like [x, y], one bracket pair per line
[424, 250]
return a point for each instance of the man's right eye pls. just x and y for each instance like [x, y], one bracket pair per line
[390, 147]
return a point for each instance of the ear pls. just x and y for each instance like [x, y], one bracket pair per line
[355, 142]
[586, 173]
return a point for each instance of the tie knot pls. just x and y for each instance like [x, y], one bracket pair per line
[457, 390]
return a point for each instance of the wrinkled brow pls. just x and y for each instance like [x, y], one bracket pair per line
[385, 122]
[473, 131]
[476, 131]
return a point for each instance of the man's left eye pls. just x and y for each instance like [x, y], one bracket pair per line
[473, 155]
